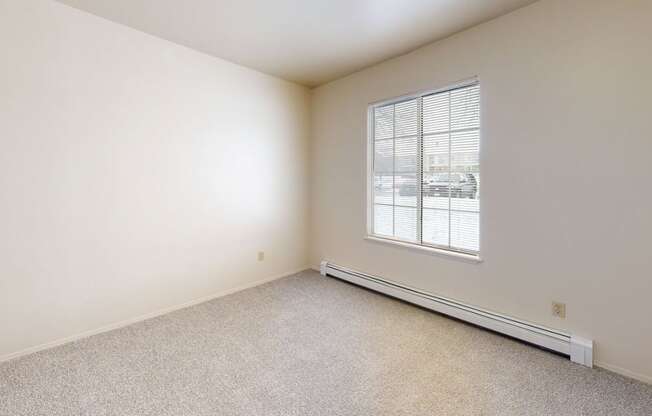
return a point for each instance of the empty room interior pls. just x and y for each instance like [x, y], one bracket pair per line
[325, 207]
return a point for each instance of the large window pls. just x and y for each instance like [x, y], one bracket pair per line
[426, 169]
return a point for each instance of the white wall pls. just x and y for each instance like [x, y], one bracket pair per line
[566, 201]
[135, 174]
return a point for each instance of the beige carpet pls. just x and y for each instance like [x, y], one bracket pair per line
[308, 345]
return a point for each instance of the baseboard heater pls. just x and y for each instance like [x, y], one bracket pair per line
[579, 350]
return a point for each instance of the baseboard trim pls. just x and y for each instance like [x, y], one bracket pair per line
[624, 372]
[131, 321]
[606, 366]
[578, 349]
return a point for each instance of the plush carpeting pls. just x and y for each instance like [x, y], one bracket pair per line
[308, 345]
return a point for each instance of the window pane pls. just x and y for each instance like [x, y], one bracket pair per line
[435, 153]
[384, 122]
[436, 187]
[465, 166]
[384, 156]
[465, 203]
[383, 187]
[465, 108]
[406, 118]
[405, 223]
[435, 226]
[463, 185]
[383, 220]
[406, 155]
[432, 200]
[435, 113]
[465, 228]
[406, 190]
[465, 150]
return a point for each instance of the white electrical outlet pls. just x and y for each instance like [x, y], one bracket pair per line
[261, 255]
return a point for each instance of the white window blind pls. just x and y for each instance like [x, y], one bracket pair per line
[426, 169]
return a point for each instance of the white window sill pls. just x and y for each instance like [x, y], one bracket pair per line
[470, 258]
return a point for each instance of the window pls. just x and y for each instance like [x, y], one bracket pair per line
[426, 169]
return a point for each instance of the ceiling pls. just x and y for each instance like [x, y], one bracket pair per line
[306, 41]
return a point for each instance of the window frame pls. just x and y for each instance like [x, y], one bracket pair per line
[471, 256]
